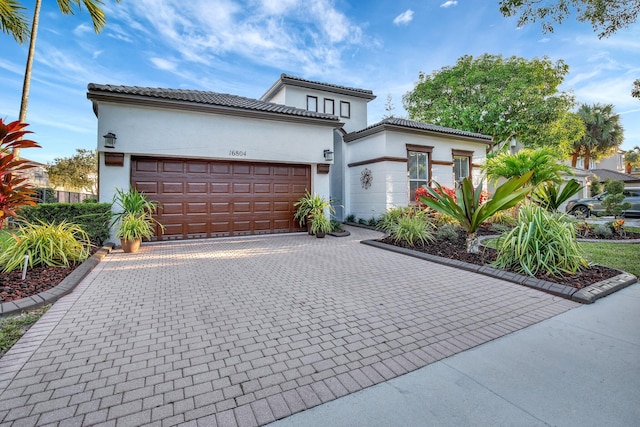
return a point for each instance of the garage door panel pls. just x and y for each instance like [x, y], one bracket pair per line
[221, 198]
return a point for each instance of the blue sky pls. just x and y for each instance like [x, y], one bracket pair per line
[241, 47]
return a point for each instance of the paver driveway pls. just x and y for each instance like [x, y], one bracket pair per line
[248, 330]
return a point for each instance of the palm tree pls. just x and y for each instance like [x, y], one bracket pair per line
[10, 12]
[543, 162]
[604, 133]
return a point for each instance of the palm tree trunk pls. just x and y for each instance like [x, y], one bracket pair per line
[587, 158]
[473, 244]
[627, 168]
[574, 159]
[27, 73]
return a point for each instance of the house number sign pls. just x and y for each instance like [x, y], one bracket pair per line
[238, 153]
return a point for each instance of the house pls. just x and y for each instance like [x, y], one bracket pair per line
[223, 165]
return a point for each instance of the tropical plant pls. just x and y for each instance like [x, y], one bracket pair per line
[46, 244]
[614, 203]
[133, 206]
[135, 226]
[544, 162]
[541, 242]
[550, 197]
[336, 226]
[11, 14]
[311, 205]
[506, 217]
[320, 223]
[468, 210]
[604, 133]
[14, 190]
[447, 232]
[412, 230]
[390, 218]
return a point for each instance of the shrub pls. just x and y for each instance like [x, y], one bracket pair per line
[614, 203]
[93, 218]
[412, 230]
[447, 232]
[336, 225]
[541, 241]
[550, 196]
[603, 231]
[55, 245]
[135, 226]
[351, 218]
[373, 222]
[362, 221]
[90, 200]
[390, 218]
[506, 218]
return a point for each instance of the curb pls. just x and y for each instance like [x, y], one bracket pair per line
[61, 289]
[585, 295]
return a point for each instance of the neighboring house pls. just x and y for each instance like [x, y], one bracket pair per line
[223, 165]
[605, 174]
[615, 162]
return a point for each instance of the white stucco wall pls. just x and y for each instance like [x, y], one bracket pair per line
[390, 181]
[297, 97]
[173, 133]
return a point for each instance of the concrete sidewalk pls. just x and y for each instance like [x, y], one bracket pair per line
[580, 368]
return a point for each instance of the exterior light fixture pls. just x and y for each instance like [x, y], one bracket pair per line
[328, 155]
[110, 140]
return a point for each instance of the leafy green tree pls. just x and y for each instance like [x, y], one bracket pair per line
[502, 97]
[14, 22]
[542, 162]
[78, 172]
[605, 16]
[635, 92]
[614, 203]
[604, 133]
[632, 159]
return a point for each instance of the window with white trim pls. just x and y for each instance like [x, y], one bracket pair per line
[418, 171]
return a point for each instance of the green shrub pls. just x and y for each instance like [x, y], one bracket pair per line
[603, 231]
[135, 226]
[614, 203]
[55, 245]
[92, 217]
[447, 232]
[390, 218]
[90, 200]
[541, 241]
[351, 218]
[506, 217]
[412, 230]
[362, 221]
[336, 225]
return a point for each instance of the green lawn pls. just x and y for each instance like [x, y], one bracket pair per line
[13, 327]
[623, 256]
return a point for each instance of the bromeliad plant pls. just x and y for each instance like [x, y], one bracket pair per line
[469, 211]
[14, 189]
[550, 197]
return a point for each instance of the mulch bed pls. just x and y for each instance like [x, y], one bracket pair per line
[39, 279]
[628, 235]
[456, 249]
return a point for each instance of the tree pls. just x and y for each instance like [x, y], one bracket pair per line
[603, 136]
[505, 98]
[632, 159]
[13, 20]
[14, 190]
[11, 13]
[635, 92]
[605, 16]
[614, 203]
[389, 107]
[542, 162]
[78, 172]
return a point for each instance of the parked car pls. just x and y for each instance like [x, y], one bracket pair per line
[593, 205]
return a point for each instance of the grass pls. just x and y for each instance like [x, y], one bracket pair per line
[623, 256]
[13, 327]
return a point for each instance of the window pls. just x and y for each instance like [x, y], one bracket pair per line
[329, 106]
[461, 164]
[312, 103]
[345, 109]
[418, 168]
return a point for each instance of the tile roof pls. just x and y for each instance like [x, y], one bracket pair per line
[206, 98]
[347, 88]
[412, 124]
[604, 174]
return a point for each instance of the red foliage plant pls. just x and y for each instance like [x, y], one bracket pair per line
[14, 190]
[451, 192]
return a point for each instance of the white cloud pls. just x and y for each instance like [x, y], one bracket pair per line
[82, 29]
[449, 3]
[163, 64]
[404, 18]
[544, 40]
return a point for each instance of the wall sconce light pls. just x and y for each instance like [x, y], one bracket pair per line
[110, 140]
[328, 155]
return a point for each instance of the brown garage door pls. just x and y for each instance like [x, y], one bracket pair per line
[221, 198]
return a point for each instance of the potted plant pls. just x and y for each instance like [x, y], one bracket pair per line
[320, 224]
[135, 215]
[309, 204]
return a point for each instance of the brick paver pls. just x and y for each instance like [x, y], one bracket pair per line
[245, 331]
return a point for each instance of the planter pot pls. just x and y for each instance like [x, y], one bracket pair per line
[308, 222]
[130, 246]
[320, 234]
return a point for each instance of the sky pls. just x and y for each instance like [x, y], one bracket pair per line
[242, 47]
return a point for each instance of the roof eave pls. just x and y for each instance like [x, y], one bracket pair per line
[353, 136]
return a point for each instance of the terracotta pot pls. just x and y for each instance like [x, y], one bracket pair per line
[130, 246]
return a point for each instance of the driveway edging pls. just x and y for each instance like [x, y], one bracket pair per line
[586, 295]
[67, 285]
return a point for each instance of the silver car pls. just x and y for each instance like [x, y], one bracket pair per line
[593, 205]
